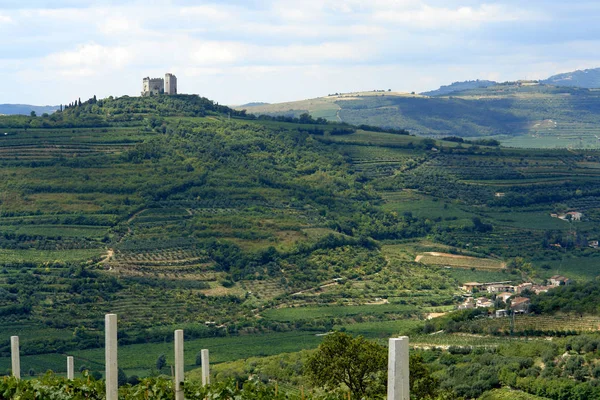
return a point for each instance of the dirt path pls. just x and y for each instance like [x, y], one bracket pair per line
[134, 216]
[109, 254]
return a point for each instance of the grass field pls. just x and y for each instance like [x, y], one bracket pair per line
[582, 268]
[75, 231]
[545, 323]
[455, 261]
[509, 394]
[42, 256]
[532, 220]
[383, 329]
[468, 275]
[308, 313]
[142, 358]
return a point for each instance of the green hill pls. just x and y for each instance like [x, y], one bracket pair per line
[520, 114]
[174, 211]
[587, 78]
[459, 87]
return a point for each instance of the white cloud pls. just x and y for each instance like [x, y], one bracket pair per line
[119, 25]
[216, 53]
[211, 12]
[91, 55]
[324, 52]
[426, 16]
[251, 50]
[6, 20]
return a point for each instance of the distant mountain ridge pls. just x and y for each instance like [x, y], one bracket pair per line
[459, 87]
[587, 78]
[26, 109]
[254, 104]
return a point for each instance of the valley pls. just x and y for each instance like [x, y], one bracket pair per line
[267, 234]
[523, 114]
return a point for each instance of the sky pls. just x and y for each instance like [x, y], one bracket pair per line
[235, 52]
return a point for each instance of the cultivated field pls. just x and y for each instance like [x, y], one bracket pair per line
[458, 261]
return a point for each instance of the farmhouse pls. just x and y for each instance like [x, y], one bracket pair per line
[504, 296]
[537, 289]
[501, 313]
[484, 302]
[499, 288]
[520, 305]
[571, 215]
[523, 286]
[593, 244]
[469, 286]
[558, 280]
[467, 305]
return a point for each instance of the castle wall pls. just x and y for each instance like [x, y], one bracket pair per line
[156, 86]
[170, 84]
[153, 87]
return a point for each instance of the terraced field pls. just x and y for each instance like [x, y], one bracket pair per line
[457, 261]
[546, 323]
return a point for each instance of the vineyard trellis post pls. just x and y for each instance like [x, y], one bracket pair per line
[70, 368]
[398, 369]
[112, 372]
[205, 367]
[15, 357]
[179, 363]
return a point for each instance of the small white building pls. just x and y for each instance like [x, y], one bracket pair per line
[484, 302]
[520, 305]
[470, 286]
[499, 288]
[468, 304]
[523, 286]
[504, 296]
[558, 280]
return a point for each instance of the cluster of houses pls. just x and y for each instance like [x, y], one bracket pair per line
[508, 293]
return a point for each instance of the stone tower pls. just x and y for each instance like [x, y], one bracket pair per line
[152, 87]
[170, 84]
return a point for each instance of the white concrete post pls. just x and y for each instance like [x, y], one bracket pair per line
[398, 374]
[205, 367]
[179, 363]
[16, 360]
[112, 373]
[70, 368]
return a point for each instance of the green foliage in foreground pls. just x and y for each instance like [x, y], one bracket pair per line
[354, 362]
[52, 387]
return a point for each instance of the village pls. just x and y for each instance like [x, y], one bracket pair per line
[506, 298]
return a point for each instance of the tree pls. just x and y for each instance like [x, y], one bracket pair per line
[355, 362]
[121, 377]
[199, 358]
[422, 384]
[33, 114]
[96, 375]
[161, 361]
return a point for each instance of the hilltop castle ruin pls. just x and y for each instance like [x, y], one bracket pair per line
[156, 86]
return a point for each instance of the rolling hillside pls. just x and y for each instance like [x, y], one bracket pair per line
[522, 114]
[169, 213]
[587, 78]
[459, 87]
